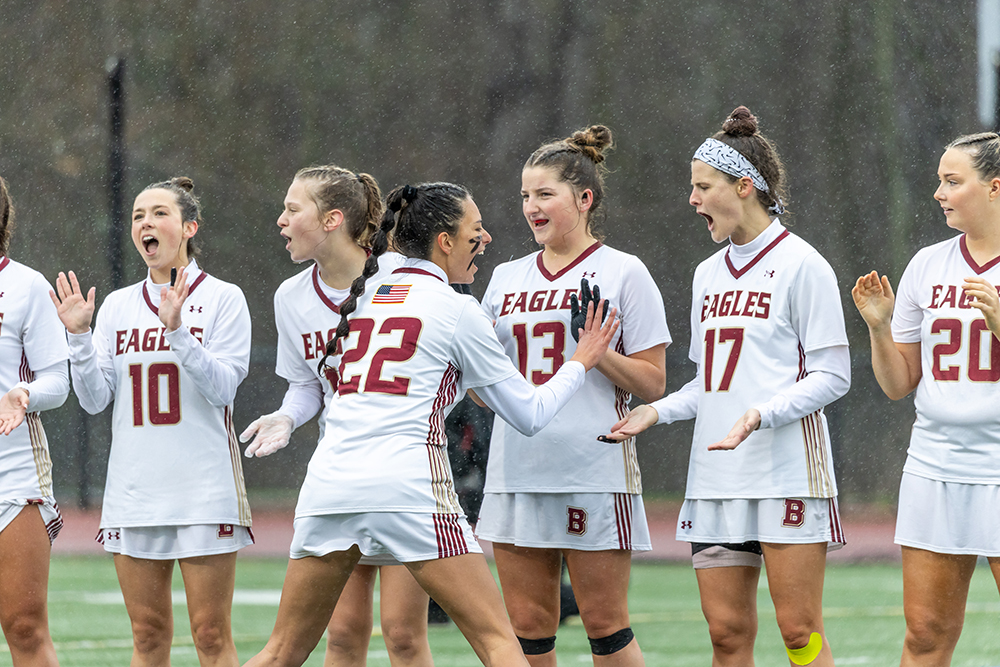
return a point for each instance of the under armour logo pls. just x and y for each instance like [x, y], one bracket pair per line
[589, 274]
[769, 274]
[196, 311]
[685, 525]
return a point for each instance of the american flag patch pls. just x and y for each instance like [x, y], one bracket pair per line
[391, 294]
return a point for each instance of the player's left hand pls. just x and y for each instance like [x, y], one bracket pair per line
[578, 310]
[269, 432]
[172, 299]
[635, 422]
[985, 298]
[745, 425]
[13, 407]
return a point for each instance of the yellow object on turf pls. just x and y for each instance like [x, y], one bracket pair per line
[808, 653]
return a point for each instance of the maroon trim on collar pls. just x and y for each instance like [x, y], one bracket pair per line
[554, 276]
[760, 255]
[405, 269]
[319, 291]
[4, 262]
[149, 302]
[968, 258]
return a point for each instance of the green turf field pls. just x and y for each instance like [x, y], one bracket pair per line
[863, 615]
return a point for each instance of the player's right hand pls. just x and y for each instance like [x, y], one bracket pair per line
[874, 300]
[635, 422]
[269, 432]
[73, 309]
[595, 338]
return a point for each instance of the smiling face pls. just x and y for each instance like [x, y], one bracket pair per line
[466, 245]
[159, 233]
[300, 223]
[556, 214]
[963, 196]
[716, 199]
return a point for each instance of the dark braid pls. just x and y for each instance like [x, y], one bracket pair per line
[379, 246]
[6, 218]
[415, 216]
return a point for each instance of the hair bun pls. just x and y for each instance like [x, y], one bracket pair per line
[593, 142]
[741, 123]
[183, 182]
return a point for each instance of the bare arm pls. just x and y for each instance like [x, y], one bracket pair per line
[896, 365]
[643, 373]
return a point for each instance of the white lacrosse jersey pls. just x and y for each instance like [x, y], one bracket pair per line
[956, 436]
[31, 337]
[306, 313]
[174, 456]
[415, 347]
[750, 331]
[531, 310]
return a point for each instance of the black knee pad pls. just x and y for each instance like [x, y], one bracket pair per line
[537, 646]
[611, 643]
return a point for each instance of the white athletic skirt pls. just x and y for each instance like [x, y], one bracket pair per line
[385, 538]
[584, 521]
[47, 507]
[948, 517]
[774, 520]
[170, 542]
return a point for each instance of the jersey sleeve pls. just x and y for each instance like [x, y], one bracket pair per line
[816, 312]
[91, 365]
[489, 298]
[828, 378]
[694, 347]
[679, 405]
[289, 364]
[907, 315]
[220, 364]
[477, 351]
[644, 321]
[44, 337]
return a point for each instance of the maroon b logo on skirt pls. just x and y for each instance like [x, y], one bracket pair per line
[577, 524]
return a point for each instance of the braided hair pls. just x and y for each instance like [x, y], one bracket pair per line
[414, 215]
[6, 218]
[984, 148]
[357, 195]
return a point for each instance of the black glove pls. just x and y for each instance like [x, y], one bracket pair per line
[578, 311]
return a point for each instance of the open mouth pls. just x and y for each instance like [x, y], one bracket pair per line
[150, 243]
[478, 250]
[707, 217]
[541, 222]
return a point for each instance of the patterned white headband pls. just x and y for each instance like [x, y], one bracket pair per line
[727, 159]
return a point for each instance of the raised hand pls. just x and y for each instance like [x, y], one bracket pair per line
[578, 314]
[172, 299]
[986, 300]
[595, 338]
[13, 407]
[269, 432]
[744, 426]
[635, 422]
[75, 311]
[874, 299]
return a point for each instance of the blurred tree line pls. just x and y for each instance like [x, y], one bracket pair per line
[859, 97]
